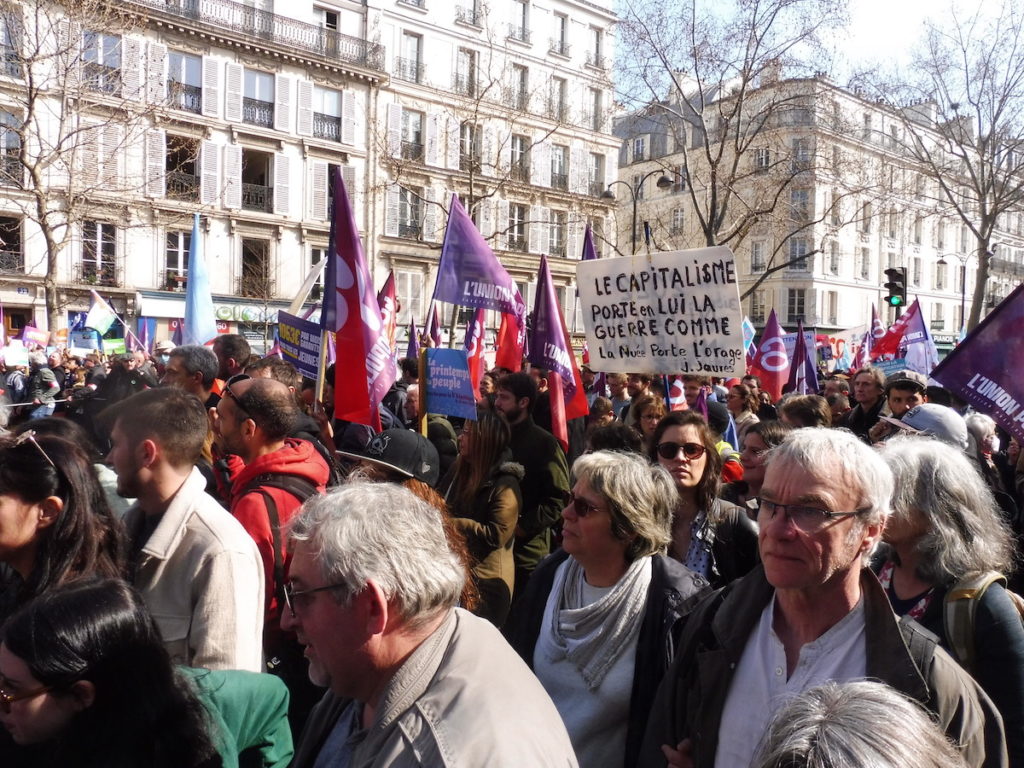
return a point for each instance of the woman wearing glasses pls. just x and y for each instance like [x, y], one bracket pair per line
[55, 523]
[596, 621]
[946, 526]
[709, 535]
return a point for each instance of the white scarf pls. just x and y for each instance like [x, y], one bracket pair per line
[594, 636]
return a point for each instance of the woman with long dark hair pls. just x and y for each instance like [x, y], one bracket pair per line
[709, 535]
[55, 523]
[484, 501]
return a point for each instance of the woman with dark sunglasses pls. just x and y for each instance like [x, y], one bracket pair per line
[709, 535]
[596, 620]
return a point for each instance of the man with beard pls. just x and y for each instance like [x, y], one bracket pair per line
[546, 481]
[195, 566]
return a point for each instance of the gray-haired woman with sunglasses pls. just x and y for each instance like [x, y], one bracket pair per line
[946, 525]
[596, 620]
[709, 535]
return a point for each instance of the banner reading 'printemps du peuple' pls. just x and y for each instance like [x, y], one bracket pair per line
[673, 312]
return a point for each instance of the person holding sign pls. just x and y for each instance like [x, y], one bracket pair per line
[709, 535]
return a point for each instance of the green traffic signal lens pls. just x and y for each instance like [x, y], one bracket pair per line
[895, 301]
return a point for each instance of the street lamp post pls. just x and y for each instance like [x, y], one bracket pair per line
[664, 182]
[963, 283]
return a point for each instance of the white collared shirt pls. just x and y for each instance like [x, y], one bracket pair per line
[760, 686]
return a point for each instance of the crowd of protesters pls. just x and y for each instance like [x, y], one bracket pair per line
[199, 566]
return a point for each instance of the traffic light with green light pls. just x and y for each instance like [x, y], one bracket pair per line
[896, 286]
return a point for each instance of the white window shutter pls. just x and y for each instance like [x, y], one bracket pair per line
[541, 171]
[156, 162]
[131, 68]
[209, 157]
[488, 159]
[501, 225]
[452, 137]
[433, 140]
[282, 103]
[486, 217]
[156, 73]
[574, 229]
[282, 184]
[318, 193]
[89, 149]
[211, 87]
[304, 122]
[578, 171]
[395, 133]
[112, 151]
[431, 211]
[348, 117]
[391, 212]
[234, 79]
[233, 176]
[69, 53]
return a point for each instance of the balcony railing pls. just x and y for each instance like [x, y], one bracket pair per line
[326, 127]
[517, 243]
[101, 78]
[182, 186]
[558, 110]
[91, 273]
[471, 16]
[227, 15]
[519, 33]
[556, 249]
[465, 84]
[520, 172]
[10, 62]
[12, 262]
[412, 150]
[12, 174]
[183, 96]
[469, 161]
[558, 47]
[411, 229]
[257, 112]
[175, 281]
[414, 3]
[560, 181]
[256, 197]
[595, 188]
[596, 60]
[410, 70]
[255, 286]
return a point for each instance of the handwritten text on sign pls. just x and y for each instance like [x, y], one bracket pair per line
[675, 312]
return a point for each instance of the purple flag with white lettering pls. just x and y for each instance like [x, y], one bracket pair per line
[469, 274]
[547, 342]
[803, 377]
[984, 369]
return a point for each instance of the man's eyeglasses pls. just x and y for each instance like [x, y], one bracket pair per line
[29, 436]
[290, 595]
[581, 507]
[807, 519]
[670, 450]
[234, 380]
[6, 699]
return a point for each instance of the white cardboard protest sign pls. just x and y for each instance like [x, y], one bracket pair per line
[673, 312]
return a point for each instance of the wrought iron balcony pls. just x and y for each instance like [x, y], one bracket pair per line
[410, 70]
[560, 181]
[517, 243]
[558, 110]
[596, 60]
[257, 112]
[520, 172]
[596, 188]
[556, 249]
[10, 62]
[471, 16]
[93, 273]
[220, 16]
[469, 161]
[519, 33]
[411, 228]
[465, 84]
[182, 186]
[412, 150]
[256, 197]
[255, 286]
[183, 96]
[101, 78]
[558, 47]
[326, 127]
[12, 262]
[175, 281]
[12, 174]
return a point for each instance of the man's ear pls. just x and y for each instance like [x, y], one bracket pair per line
[376, 607]
[149, 452]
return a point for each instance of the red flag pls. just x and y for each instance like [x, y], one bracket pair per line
[771, 364]
[388, 303]
[889, 344]
[677, 395]
[474, 345]
[509, 343]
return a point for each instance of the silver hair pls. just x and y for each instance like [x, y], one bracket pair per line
[37, 358]
[382, 532]
[839, 455]
[641, 498]
[966, 530]
[860, 724]
[979, 425]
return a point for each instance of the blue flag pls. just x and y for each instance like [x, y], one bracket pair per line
[200, 320]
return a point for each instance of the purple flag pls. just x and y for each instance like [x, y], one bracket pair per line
[469, 274]
[917, 346]
[984, 369]
[803, 377]
[588, 245]
[413, 349]
[547, 342]
[434, 329]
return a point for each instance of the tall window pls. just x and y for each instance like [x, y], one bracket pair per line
[833, 258]
[101, 60]
[795, 298]
[11, 171]
[409, 66]
[757, 306]
[519, 28]
[560, 167]
[560, 42]
[10, 47]
[520, 169]
[832, 307]
[184, 81]
[558, 106]
[595, 117]
[316, 255]
[595, 174]
[409, 292]
[520, 87]
[762, 160]
[465, 72]
[99, 253]
[595, 56]
[800, 204]
[678, 221]
[327, 113]
[469, 146]
[639, 149]
[255, 279]
[556, 233]
[258, 98]
[517, 221]
[798, 253]
[865, 263]
[412, 134]
[915, 271]
[757, 257]
[410, 212]
[176, 260]
[801, 154]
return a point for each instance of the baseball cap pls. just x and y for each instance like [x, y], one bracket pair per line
[405, 451]
[164, 346]
[906, 379]
[935, 421]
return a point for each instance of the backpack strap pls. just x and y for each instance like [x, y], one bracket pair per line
[959, 610]
[300, 488]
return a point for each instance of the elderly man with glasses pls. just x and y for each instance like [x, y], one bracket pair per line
[811, 613]
[413, 680]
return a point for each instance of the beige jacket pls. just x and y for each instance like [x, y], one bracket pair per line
[202, 579]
